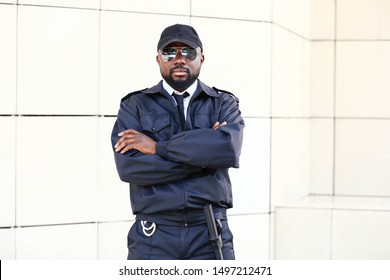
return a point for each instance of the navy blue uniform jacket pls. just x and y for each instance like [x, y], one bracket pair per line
[190, 167]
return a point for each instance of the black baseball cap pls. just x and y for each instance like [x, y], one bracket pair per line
[179, 33]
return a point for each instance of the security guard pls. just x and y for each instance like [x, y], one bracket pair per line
[174, 144]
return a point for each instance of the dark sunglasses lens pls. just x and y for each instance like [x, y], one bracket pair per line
[168, 54]
[189, 53]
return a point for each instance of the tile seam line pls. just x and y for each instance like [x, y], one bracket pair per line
[332, 209]
[248, 117]
[140, 12]
[65, 224]
[58, 115]
[95, 9]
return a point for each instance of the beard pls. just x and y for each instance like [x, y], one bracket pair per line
[181, 84]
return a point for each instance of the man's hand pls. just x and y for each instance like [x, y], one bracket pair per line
[132, 139]
[218, 125]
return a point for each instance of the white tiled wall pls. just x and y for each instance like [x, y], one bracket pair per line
[7, 244]
[321, 78]
[363, 157]
[362, 83]
[8, 59]
[310, 241]
[175, 7]
[341, 228]
[251, 181]
[251, 236]
[311, 76]
[347, 131]
[58, 60]
[290, 64]
[366, 20]
[92, 4]
[322, 19]
[244, 9]
[7, 172]
[64, 242]
[56, 170]
[289, 160]
[113, 200]
[321, 156]
[113, 240]
[354, 239]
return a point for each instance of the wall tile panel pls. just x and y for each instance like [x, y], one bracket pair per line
[57, 61]
[57, 170]
[353, 239]
[321, 157]
[250, 236]
[290, 157]
[322, 20]
[176, 7]
[321, 79]
[113, 240]
[290, 72]
[302, 234]
[7, 244]
[8, 59]
[251, 183]
[244, 9]
[362, 80]
[363, 19]
[362, 157]
[114, 200]
[92, 4]
[65, 242]
[7, 171]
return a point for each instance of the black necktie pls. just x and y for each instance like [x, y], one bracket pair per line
[180, 106]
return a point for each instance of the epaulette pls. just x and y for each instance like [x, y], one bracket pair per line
[227, 92]
[132, 93]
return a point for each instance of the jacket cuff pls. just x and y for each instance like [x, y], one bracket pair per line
[194, 169]
[161, 149]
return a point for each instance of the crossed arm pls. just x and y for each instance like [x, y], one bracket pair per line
[143, 161]
[132, 139]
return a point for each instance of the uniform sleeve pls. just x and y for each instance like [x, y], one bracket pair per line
[138, 168]
[208, 147]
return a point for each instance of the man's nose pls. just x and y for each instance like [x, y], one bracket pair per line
[179, 59]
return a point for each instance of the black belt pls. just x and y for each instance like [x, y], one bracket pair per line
[185, 217]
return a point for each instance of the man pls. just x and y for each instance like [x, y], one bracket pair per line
[176, 154]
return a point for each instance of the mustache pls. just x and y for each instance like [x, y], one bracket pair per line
[186, 69]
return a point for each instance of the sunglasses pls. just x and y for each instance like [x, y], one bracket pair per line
[168, 54]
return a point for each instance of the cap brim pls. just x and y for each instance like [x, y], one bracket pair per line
[185, 41]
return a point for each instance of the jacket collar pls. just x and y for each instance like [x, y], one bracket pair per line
[201, 87]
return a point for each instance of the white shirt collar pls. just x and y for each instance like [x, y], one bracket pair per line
[191, 90]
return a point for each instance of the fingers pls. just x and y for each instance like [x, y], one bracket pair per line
[132, 139]
[215, 126]
[224, 123]
[127, 138]
[218, 125]
[128, 132]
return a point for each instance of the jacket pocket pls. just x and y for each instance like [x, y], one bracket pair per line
[205, 120]
[157, 127]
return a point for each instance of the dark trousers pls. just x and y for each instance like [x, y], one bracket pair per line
[169, 242]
